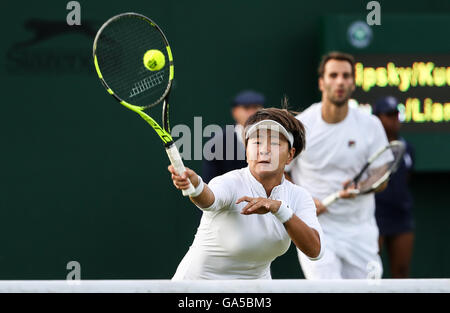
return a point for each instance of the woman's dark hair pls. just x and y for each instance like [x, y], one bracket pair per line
[285, 118]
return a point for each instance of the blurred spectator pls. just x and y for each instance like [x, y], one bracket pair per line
[243, 106]
[394, 204]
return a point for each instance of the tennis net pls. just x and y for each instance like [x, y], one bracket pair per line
[228, 286]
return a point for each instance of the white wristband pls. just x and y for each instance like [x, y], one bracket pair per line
[199, 188]
[284, 213]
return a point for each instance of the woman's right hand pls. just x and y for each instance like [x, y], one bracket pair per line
[182, 181]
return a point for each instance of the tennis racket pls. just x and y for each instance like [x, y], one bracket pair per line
[119, 49]
[375, 172]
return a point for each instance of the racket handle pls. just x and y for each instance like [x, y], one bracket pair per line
[330, 199]
[177, 162]
[334, 196]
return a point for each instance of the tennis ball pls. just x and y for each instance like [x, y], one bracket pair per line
[154, 60]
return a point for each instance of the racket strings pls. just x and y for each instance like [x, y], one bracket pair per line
[120, 49]
[378, 172]
[374, 175]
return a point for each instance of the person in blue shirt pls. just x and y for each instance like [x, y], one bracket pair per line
[394, 204]
[243, 106]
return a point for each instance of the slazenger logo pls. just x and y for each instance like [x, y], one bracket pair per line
[47, 48]
[147, 83]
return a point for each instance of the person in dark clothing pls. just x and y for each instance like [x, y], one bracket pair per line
[243, 106]
[394, 204]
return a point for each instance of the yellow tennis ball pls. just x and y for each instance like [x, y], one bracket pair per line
[154, 60]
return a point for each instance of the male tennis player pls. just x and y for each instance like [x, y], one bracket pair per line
[340, 140]
[250, 215]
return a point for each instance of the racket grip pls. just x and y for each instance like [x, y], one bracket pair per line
[330, 199]
[177, 162]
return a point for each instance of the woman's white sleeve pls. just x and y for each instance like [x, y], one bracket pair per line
[307, 213]
[223, 187]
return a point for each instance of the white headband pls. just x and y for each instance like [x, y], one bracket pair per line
[272, 125]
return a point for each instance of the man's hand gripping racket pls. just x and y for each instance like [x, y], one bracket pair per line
[373, 175]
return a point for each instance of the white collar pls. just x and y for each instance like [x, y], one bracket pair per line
[258, 188]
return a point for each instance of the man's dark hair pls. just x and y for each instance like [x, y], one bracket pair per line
[336, 55]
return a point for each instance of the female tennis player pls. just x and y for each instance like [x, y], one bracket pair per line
[251, 215]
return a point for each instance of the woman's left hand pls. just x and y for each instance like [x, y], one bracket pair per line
[259, 205]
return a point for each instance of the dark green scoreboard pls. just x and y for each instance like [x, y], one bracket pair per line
[407, 56]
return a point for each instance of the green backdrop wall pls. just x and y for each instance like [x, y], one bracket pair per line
[84, 179]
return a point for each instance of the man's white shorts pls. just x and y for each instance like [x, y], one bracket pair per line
[331, 266]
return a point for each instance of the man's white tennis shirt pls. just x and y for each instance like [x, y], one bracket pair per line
[230, 245]
[335, 153]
